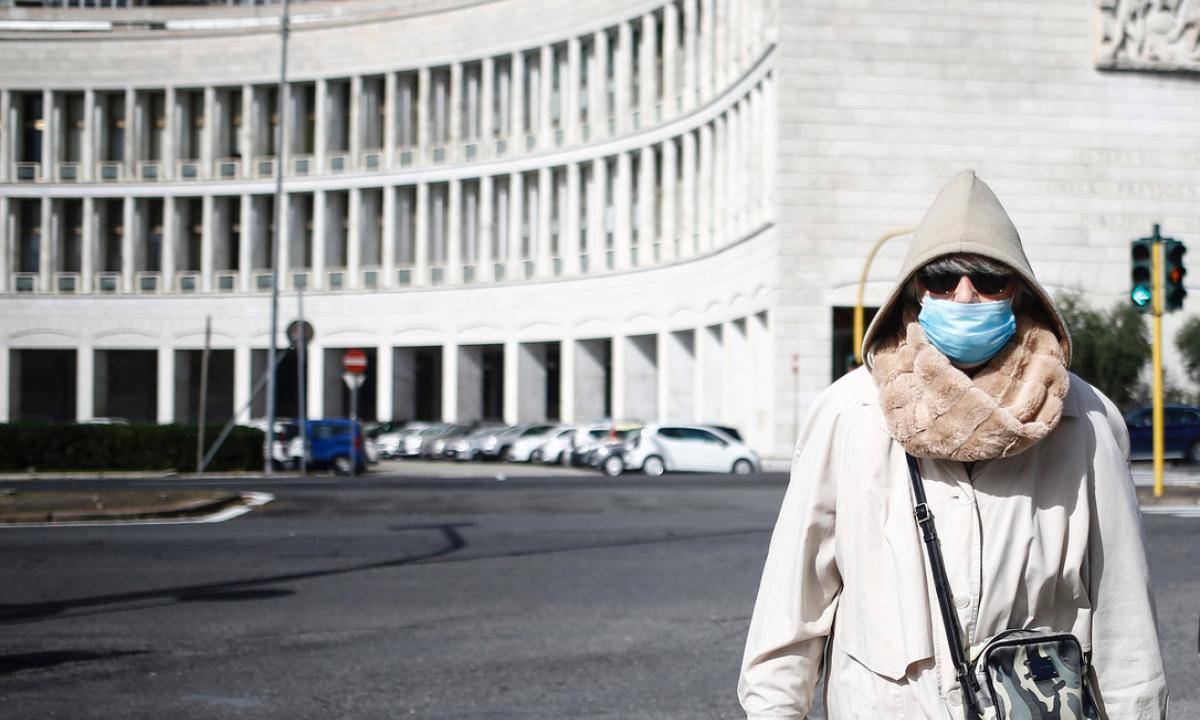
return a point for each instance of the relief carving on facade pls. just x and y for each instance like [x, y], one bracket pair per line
[1148, 35]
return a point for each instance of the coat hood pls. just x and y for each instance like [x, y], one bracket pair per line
[965, 217]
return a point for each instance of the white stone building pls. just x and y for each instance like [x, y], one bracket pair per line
[524, 210]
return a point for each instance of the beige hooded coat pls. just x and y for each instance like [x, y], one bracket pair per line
[1049, 537]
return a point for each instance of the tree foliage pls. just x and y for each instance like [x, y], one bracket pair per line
[1110, 347]
[1188, 342]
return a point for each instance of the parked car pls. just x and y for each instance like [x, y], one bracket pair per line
[391, 442]
[689, 448]
[494, 446]
[329, 445]
[528, 441]
[467, 446]
[1181, 433]
[556, 450]
[589, 438]
[433, 439]
[285, 430]
[608, 456]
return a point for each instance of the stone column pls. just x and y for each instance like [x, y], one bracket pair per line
[622, 207]
[484, 266]
[321, 126]
[356, 122]
[598, 110]
[166, 384]
[646, 233]
[248, 131]
[170, 240]
[670, 89]
[6, 247]
[617, 364]
[354, 235]
[720, 46]
[705, 50]
[455, 114]
[569, 221]
[596, 208]
[487, 81]
[47, 242]
[319, 227]
[647, 70]
[511, 381]
[514, 263]
[87, 150]
[388, 259]
[570, 93]
[545, 195]
[314, 367]
[170, 147]
[6, 136]
[663, 377]
[389, 124]
[207, 246]
[129, 236]
[246, 239]
[87, 249]
[129, 139]
[704, 195]
[624, 75]
[545, 93]
[668, 238]
[566, 380]
[516, 125]
[454, 208]
[85, 381]
[450, 381]
[384, 379]
[720, 183]
[208, 138]
[421, 237]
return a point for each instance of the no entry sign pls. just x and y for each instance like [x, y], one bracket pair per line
[354, 361]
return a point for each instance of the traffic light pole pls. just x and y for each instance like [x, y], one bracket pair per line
[1157, 284]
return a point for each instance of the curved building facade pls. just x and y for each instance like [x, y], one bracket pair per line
[647, 210]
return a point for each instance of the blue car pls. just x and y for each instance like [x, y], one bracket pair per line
[329, 444]
[1181, 433]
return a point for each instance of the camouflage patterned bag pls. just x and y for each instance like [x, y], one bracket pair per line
[1033, 675]
[1018, 674]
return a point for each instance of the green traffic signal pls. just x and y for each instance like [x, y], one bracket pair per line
[1142, 292]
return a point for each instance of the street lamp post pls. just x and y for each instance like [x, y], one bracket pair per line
[862, 284]
[280, 137]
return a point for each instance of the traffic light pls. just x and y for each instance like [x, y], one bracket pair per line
[1142, 292]
[1173, 274]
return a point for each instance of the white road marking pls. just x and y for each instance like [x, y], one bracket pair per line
[250, 501]
[1182, 511]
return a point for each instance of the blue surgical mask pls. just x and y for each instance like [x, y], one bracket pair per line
[967, 333]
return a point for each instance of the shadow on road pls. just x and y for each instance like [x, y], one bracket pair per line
[253, 588]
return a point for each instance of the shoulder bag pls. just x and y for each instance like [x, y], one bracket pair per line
[1039, 674]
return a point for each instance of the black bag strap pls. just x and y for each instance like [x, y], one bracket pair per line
[941, 584]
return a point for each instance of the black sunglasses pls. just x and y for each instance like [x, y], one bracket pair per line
[943, 283]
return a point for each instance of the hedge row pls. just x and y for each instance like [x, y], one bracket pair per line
[56, 447]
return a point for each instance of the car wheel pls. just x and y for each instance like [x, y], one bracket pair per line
[743, 467]
[341, 465]
[613, 466]
[653, 465]
[535, 456]
[564, 459]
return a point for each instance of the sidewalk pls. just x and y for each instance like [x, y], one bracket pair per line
[19, 507]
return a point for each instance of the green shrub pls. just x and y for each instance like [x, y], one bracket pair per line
[1109, 347]
[52, 447]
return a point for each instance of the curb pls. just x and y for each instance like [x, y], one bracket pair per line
[197, 507]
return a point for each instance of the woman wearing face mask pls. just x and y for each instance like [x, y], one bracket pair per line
[1025, 467]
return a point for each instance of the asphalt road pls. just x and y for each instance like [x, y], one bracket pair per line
[533, 598]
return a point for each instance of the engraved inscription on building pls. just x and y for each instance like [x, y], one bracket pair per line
[1148, 35]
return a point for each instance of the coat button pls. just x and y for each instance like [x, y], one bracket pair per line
[962, 601]
[954, 696]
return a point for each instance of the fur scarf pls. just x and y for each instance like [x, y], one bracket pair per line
[936, 410]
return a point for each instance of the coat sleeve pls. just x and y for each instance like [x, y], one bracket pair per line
[1127, 663]
[800, 585]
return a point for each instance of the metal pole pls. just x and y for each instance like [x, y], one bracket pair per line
[258, 386]
[862, 284]
[1156, 283]
[301, 349]
[202, 404]
[354, 429]
[280, 135]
